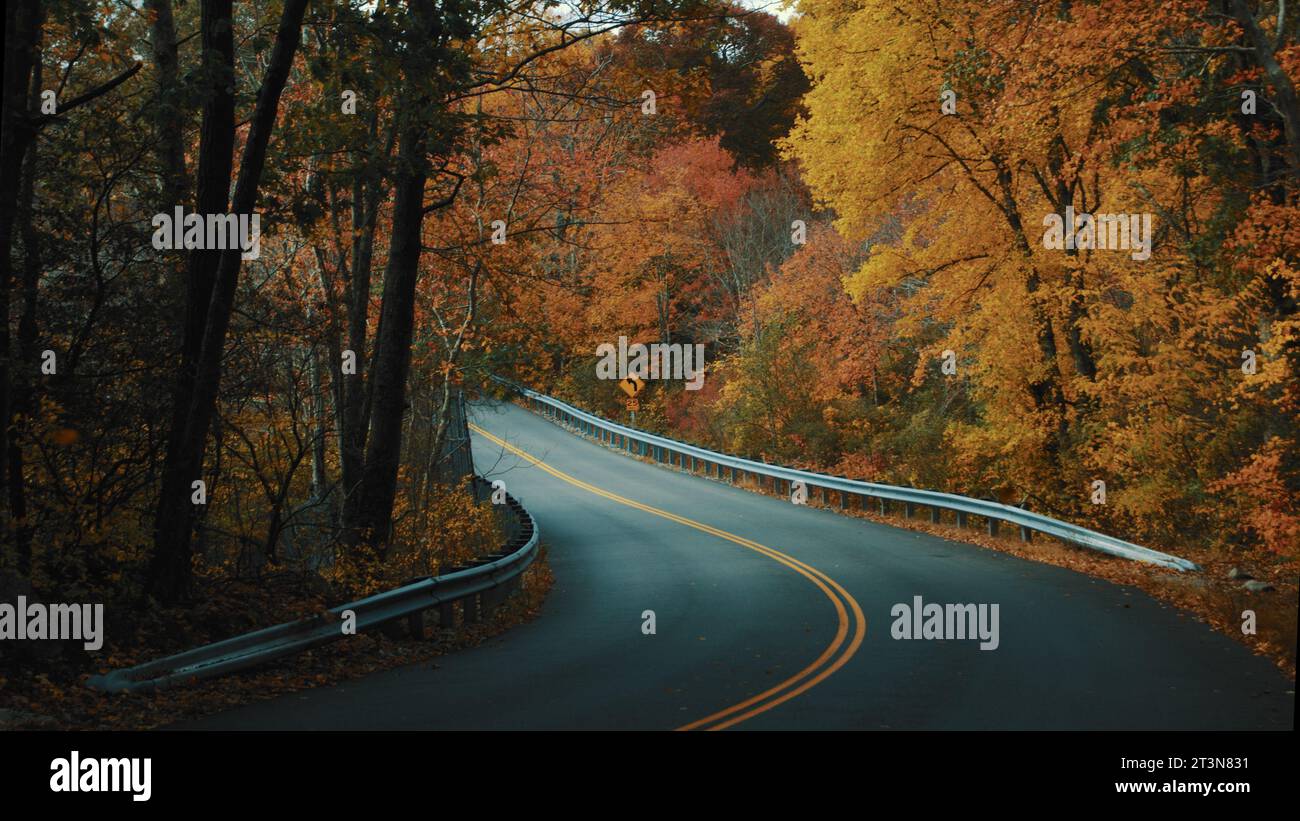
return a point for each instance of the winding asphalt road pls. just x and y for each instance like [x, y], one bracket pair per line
[770, 615]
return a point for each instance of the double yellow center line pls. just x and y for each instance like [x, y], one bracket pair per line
[847, 611]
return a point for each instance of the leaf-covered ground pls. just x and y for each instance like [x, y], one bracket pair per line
[57, 697]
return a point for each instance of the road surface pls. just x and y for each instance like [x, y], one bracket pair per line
[770, 615]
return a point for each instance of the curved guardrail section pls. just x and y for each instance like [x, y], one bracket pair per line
[498, 571]
[663, 449]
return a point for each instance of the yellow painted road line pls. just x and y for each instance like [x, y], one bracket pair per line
[816, 672]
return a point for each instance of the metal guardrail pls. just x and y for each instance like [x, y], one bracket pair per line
[663, 449]
[494, 576]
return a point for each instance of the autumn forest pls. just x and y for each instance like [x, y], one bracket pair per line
[848, 203]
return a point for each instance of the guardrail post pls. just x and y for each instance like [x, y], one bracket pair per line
[934, 515]
[993, 527]
[883, 506]
[490, 598]
[1026, 535]
[446, 616]
[822, 488]
[471, 608]
[961, 519]
[844, 500]
[908, 509]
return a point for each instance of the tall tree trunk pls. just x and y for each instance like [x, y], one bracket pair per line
[1066, 184]
[23, 21]
[393, 345]
[372, 518]
[170, 570]
[22, 404]
[216, 147]
[169, 114]
[354, 416]
[1045, 389]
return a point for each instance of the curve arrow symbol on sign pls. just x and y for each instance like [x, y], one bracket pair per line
[631, 385]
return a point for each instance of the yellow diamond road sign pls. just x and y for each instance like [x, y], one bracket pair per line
[631, 385]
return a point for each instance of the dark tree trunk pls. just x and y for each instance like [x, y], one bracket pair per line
[23, 22]
[169, 115]
[170, 569]
[22, 404]
[386, 400]
[353, 416]
[216, 146]
[393, 344]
